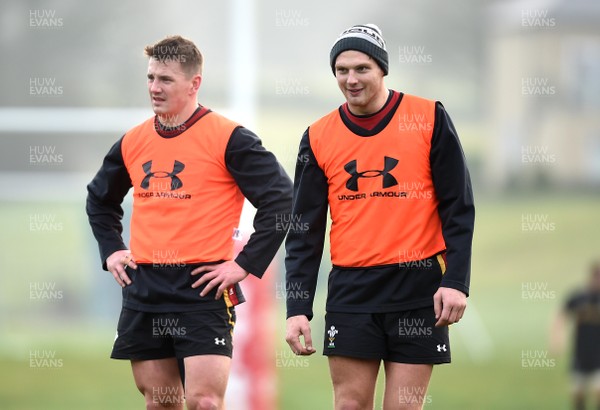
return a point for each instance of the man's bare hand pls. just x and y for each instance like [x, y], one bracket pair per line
[116, 264]
[449, 306]
[222, 275]
[299, 326]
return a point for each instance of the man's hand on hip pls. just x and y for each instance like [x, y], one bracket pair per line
[222, 275]
[116, 264]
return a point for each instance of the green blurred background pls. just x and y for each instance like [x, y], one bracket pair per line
[520, 80]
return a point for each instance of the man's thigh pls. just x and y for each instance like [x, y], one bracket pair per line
[409, 344]
[353, 381]
[206, 349]
[206, 376]
[355, 346]
[406, 385]
[159, 381]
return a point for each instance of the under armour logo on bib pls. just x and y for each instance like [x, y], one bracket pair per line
[388, 179]
[175, 181]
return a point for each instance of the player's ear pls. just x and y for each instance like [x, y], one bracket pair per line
[196, 81]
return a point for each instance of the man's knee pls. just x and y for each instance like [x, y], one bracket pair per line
[201, 401]
[351, 399]
[350, 404]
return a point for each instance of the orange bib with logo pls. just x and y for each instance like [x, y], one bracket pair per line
[381, 196]
[186, 205]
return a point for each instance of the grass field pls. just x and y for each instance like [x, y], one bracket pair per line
[500, 324]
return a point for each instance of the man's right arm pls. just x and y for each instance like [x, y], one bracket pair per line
[103, 207]
[305, 240]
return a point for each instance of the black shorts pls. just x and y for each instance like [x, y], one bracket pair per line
[150, 336]
[402, 337]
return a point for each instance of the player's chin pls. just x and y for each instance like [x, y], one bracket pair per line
[356, 99]
[159, 109]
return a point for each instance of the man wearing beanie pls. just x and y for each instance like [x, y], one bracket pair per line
[391, 170]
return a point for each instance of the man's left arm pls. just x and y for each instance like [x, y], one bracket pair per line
[266, 185]
[453, 190]
[264, 182]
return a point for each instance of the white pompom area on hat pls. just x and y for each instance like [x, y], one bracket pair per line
[369, 32]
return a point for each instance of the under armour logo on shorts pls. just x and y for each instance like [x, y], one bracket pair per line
[220, 341]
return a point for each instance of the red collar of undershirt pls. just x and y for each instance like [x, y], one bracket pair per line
[170, 132]
[370, 121]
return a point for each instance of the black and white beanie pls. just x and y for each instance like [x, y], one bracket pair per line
[365, 38]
